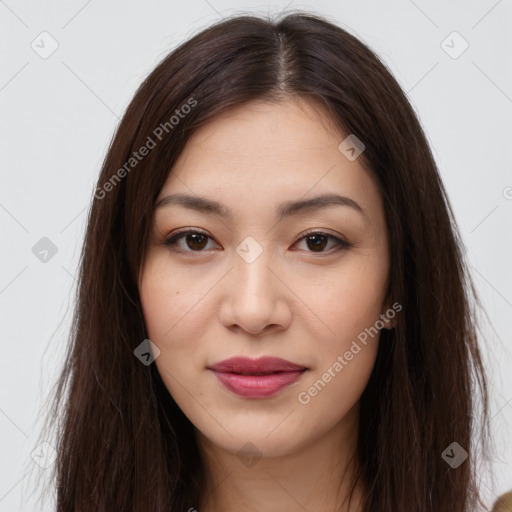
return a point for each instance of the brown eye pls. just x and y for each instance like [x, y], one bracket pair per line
[317, 241]
[195, 241]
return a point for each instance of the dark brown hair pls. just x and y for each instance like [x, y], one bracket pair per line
[122, 442]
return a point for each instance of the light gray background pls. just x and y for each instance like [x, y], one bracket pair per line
[58, 115]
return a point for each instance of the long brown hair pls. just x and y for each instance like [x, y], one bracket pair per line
[122, 443]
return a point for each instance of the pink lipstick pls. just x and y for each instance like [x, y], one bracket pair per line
[257, 378]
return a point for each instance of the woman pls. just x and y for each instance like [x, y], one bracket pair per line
[274, 309]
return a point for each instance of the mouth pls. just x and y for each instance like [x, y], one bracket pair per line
[262, 366]
[261, 378]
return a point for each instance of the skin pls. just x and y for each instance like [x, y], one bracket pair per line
[290, 302]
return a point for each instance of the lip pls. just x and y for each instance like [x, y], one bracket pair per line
[257, 378]
[264, 364]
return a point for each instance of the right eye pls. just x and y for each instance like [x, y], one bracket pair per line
[195, 241]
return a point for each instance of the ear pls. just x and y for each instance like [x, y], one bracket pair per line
[389, 314]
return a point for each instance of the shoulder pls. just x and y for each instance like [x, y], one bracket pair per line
[503, 503]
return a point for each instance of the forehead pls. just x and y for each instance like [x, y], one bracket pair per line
[289, 128]
[262, 152]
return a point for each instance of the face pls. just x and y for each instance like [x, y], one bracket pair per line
[304, 284]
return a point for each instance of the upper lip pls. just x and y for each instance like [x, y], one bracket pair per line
[244, 365]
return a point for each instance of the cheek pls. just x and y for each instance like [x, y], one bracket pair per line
[165, 314]
[159, 303]
[346, 302]
[349, 304]
[346, 352]
[168, 299]
[174, 306]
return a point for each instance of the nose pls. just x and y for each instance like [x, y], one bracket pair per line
[255, 297]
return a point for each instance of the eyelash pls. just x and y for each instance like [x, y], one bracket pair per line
[172, 241]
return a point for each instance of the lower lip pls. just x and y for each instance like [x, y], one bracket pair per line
[257, 386]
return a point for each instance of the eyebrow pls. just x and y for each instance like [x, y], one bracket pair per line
[204, 205]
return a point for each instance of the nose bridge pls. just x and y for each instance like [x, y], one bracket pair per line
[253, 276]
[253, 300]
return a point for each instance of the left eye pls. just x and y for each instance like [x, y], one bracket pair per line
[196, 241]
[317, 241]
